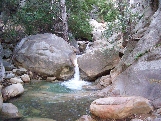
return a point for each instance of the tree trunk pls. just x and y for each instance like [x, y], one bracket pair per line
[64, 20]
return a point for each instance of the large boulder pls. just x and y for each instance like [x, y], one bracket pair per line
[97, 62]
[120, 107]
[45, 54]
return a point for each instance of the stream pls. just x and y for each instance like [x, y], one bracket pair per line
[53, 101]
[61, 101]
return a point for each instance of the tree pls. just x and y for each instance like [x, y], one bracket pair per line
[64, 19]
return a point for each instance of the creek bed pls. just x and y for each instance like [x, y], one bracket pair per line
[53, 101]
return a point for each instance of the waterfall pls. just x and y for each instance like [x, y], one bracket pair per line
[76, 82]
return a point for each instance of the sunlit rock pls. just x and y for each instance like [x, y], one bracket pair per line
[120, 107]
[25, 78]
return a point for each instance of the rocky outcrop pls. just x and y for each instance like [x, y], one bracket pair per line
[120, 107]
[142, 72]
[45, 54]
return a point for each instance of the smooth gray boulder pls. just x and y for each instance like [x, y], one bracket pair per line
[97, 62]
[45, 54]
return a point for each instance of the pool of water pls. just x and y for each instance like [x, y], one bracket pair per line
[54, 101]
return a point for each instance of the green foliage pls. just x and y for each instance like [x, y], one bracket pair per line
[78, 11]
[122, 21]
[35, 16]
[140, 54]
[106, 10]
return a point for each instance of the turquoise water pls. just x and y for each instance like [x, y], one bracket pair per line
[54, 101]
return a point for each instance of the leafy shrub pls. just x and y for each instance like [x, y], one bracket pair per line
[78, 12]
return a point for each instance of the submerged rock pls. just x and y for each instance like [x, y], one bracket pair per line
[120, 107]
[45, 54]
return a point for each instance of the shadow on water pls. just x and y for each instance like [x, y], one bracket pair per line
[53, 101]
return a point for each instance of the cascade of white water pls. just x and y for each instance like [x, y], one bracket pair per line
[75, 83]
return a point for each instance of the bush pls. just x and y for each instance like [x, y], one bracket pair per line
[36, 16]
[78, 12]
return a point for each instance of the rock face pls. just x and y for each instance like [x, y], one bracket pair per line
[98, 62]
[142, 77]
[120, 107]
[45, 54]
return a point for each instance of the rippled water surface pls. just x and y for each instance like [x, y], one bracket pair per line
[54, 101]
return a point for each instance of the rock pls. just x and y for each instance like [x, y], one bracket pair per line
[25, 78]
[2, 70]
[1, 99]
[120, 107]
[105, 81]
[142, 76]
[85, 118]
[10, 111]
[19, 71]
[9, 75]
[12, 90]
[141, 73]
[157, 119]
[136, 119]
[15, 80]
[45, 54]
[97, 63]
[50, 79]
[144, 8]
[98, 29]
[157, 103]
[82, 46]
[7, 52]
[8, 66]
[38, 119]
[158, 111]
